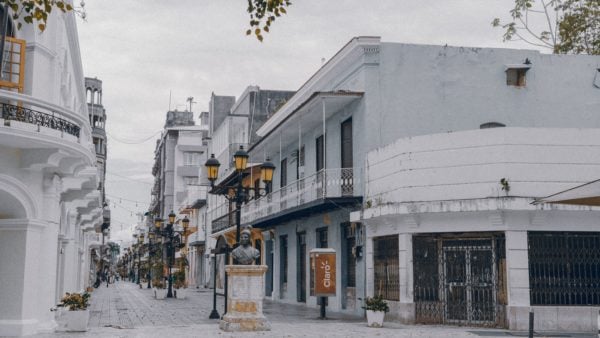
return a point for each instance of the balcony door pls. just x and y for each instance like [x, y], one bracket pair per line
[346, 157]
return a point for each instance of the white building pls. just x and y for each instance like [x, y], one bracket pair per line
[49, 197]
[179, 155]
[438, 185]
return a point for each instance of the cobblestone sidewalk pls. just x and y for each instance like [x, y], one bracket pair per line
[125, 310]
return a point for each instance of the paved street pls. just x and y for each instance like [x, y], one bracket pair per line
[124, 310]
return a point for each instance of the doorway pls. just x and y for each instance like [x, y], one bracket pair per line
[301, 267]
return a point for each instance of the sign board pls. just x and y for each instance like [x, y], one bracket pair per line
[323, 261]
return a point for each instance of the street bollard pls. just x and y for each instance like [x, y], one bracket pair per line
[531, 314]
[598, 324]
[323, 302]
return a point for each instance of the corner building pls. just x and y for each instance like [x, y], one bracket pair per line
[393, 154]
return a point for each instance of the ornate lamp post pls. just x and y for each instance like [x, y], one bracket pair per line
[173, 239]
[241, 162]
[241, 193]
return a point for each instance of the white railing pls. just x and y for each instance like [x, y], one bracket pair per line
[329, 183]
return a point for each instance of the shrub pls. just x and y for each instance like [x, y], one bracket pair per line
[376, 303]
[75, 301]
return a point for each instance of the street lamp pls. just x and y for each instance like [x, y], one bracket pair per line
[151, 236]
[140, 243]
[240, 159]
[173, 238]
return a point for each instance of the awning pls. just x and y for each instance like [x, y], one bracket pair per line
[196, 243]
[585, 194]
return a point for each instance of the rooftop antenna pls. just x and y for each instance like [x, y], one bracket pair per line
[170, 92]
[191, 101]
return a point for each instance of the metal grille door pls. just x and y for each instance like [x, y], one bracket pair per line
[457, 281]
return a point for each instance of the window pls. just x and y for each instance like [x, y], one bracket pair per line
[386, 266]
[320, 145]
[283, 171]
[515, 76]
[491, 125]
[258, 246]
[191, 158]
[564, 268]
[347, 144]
[322, 237]
[283, 260]
[350, 255]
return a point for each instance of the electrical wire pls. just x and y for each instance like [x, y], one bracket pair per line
[128, 178]
[133, 141]
[127, 199]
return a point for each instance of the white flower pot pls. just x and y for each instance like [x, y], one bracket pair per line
[375, 318]
[180, 293]
[76, 321]
[161, 293]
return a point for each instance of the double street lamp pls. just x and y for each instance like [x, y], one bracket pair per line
[241, 193]
[173, 240]
[237, 194]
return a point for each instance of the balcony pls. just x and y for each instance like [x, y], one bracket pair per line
[223, 222]
[325, 189]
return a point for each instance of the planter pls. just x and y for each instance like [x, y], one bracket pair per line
[180, 293]
[375, 318]
[76, 321]
[161, 293]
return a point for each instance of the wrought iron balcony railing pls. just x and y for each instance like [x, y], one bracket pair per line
[329, 183]
[49, 120]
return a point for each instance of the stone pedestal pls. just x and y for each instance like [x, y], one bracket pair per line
[246, 290]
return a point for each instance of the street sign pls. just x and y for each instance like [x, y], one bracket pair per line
[323, 261]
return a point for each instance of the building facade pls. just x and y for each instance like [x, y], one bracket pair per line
[50, 203]
[326, 141]
[234, 124]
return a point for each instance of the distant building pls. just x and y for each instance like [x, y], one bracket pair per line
[50, 202]
[97, 116]
[234, 124]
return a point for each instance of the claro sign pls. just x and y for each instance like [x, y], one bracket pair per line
[323, 261]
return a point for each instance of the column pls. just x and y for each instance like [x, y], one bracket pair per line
[517, 266]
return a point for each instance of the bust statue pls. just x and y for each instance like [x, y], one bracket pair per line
[244, 254]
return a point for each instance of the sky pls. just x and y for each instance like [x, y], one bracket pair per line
[153, 54]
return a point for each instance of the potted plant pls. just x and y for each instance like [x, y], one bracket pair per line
[159, 288]
[376, 308]
[77, 316]
[179, 284]
[180, 289]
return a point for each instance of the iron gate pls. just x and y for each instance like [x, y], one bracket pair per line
[459, 280]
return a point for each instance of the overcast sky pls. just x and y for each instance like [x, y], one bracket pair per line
[143, 50]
